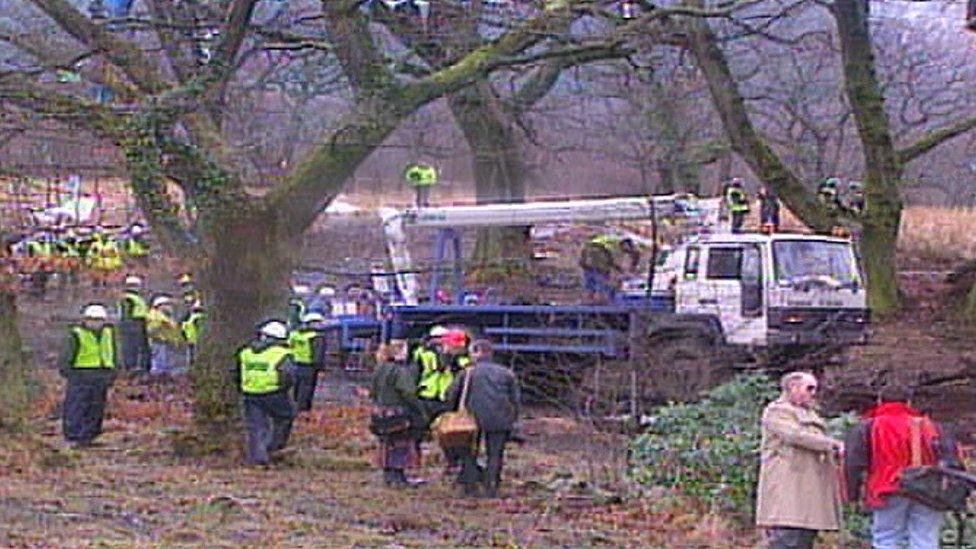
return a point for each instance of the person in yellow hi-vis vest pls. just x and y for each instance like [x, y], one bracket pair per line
[164, 336]
[264, 372]
[105, 259]
[308, 353]
[191, 326]
[427, 358]
[422, 177]
[88, 364]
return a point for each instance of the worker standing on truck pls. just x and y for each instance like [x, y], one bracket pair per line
[597, 259]
[828, 194]
[768, 210]
[422, 177]
[737, 203]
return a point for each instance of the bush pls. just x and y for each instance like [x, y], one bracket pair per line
[709, 449]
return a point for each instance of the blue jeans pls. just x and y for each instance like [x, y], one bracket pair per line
[905, 523]
[598, 283]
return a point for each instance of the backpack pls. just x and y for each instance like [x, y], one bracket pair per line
[928, 484]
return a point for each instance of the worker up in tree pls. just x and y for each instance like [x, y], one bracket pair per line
[192, 326]
[422, 177]
[768, 210]
[828, 193]
[133, 311]
[88, 365]
[264, 373]
[855, 198]
[308, 352]
[737, 204]
[599, 264]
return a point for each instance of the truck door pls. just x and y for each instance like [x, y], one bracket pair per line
[732, 289]
[686, 287]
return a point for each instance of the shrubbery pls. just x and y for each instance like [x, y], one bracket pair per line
[709, 449]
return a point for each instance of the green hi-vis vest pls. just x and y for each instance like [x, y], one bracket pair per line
[259, 369]
[137, 307]
[421, 175]
[94, 350]
[135, 248]
[191, 327]
[40, 248]
[428, 385]
[301, 346]
[737, 200]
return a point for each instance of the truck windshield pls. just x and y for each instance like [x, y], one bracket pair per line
[815, 260]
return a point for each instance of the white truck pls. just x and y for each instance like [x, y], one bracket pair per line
[767, 299]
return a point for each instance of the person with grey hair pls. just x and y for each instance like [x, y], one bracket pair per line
[799, 490]
[495, 400]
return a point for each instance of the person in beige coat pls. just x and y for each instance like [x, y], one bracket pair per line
[799, 491]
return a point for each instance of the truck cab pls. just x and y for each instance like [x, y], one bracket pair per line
[773, 290]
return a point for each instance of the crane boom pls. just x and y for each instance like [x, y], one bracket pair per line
[630, 208]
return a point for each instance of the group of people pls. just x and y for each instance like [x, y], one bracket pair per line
[69, 251]
[447, 372]
[737, 205]
[806, 475]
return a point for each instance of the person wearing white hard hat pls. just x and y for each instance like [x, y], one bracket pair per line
[296, 304]
[308, 352]
[264, 373]
[88, 365]
[133, 311]
[164, 336]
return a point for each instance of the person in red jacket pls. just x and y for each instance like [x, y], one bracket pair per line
[878, 449]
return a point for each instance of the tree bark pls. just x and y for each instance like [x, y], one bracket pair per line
[14, 398]
[499, 175]
[883, 169]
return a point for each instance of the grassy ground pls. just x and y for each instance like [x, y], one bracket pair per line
[132, 491]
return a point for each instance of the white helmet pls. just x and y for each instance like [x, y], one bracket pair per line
[95, 312]
[133, 280]
[161, 300]
[300, 289]
[136, 230]
[327, 291]
[438, 331]
[275, 329]
[313, 317]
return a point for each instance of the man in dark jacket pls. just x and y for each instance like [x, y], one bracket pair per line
[495, 400]
[264, 373]
[89, 365]
[890, 437]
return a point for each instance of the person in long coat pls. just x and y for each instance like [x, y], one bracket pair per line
[393, 390]
[799, 489]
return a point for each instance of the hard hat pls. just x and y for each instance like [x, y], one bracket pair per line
[438, 331]
[327, 291]
[300, 289]
[736, 182]
[133, 280]
[455, 338]
[313, 317]
[831, 182]
[197, 305]
[185, 278]
[136, 229]
[161, 300]
[275, 329]
[855, 185]
[95, 312]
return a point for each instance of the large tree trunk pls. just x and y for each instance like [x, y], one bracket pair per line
[13, 375]
[882, 166]
[243, 285]
[499, 175]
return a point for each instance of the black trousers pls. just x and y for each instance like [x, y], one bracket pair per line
[268, 419]
[791, 538]
[306, 377]
[135, 345]
[491, 475]
[738, 219]
[84, 405]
